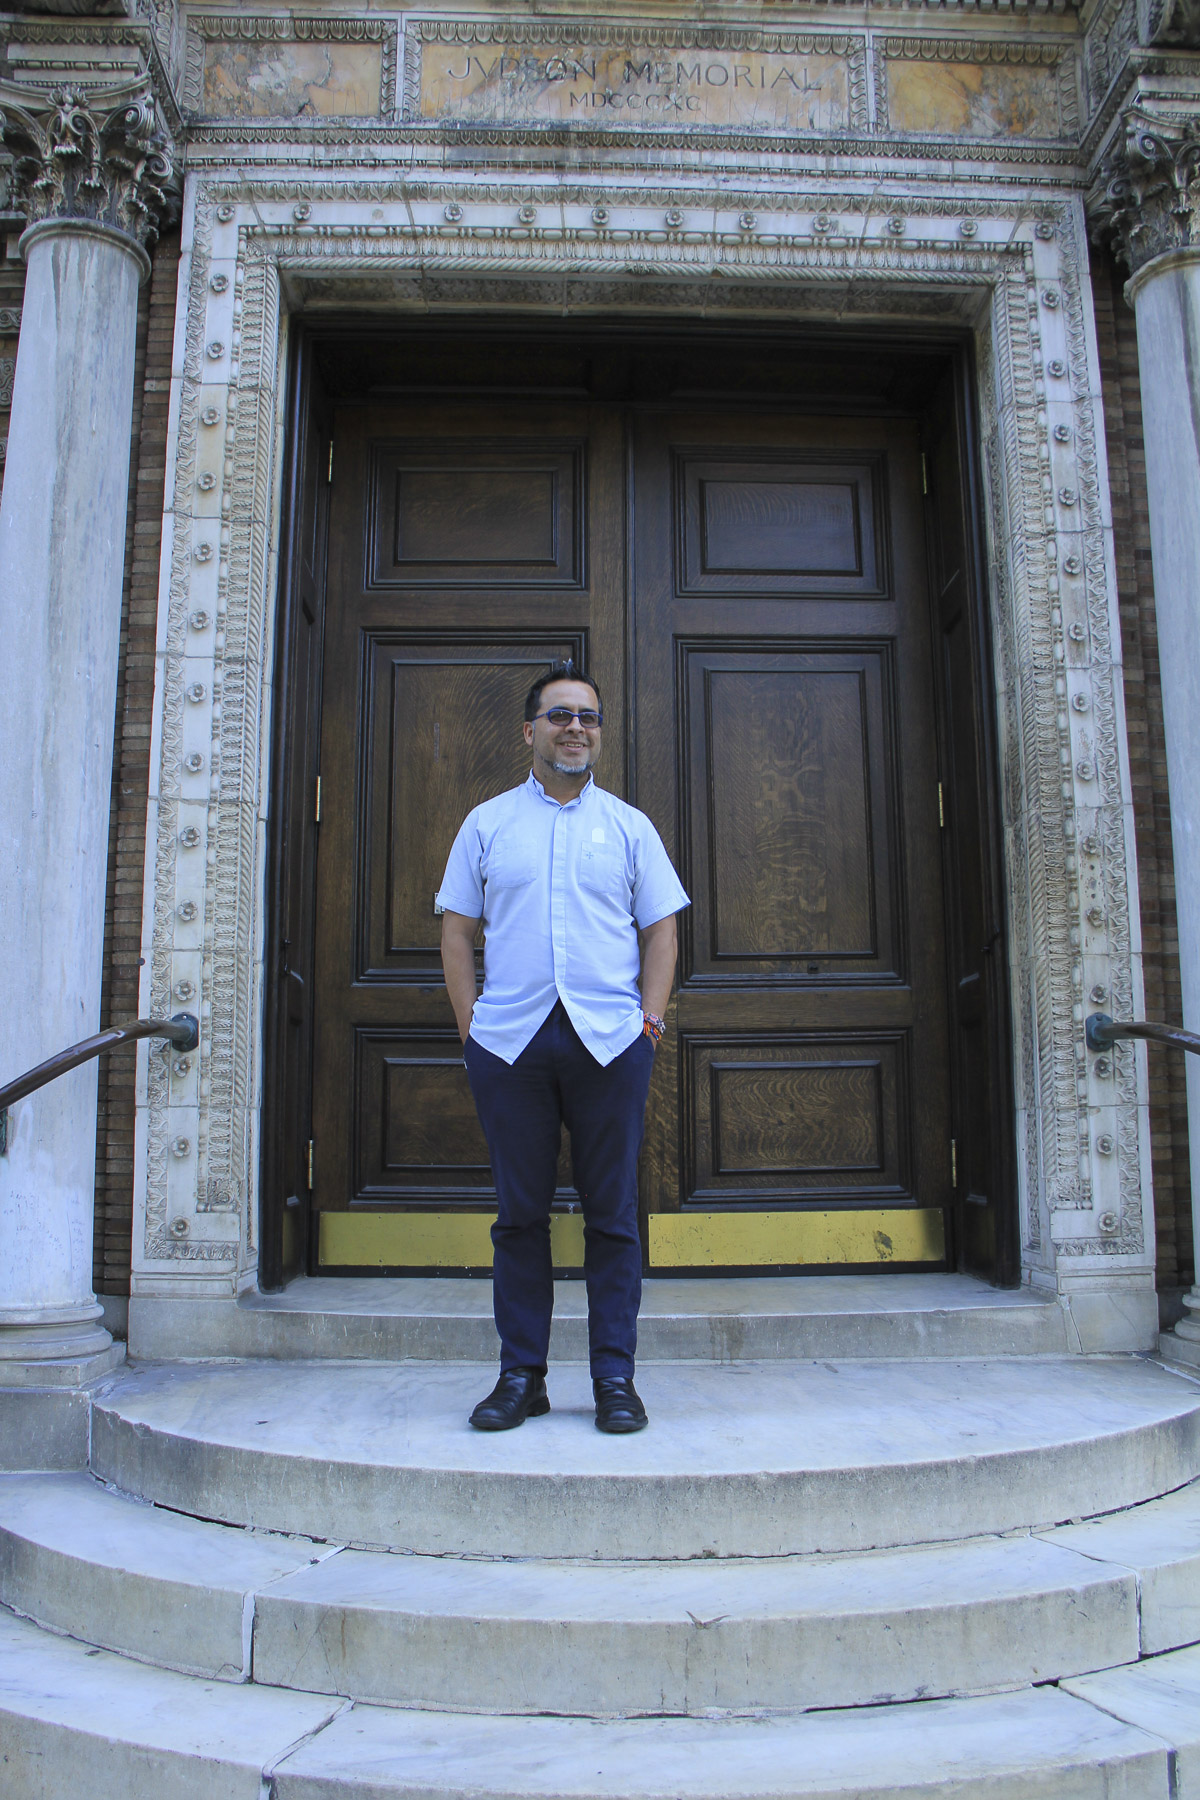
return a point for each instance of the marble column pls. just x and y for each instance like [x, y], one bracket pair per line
[1153, 217]
[95, 177]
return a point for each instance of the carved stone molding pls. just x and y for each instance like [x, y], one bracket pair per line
[101, 157]
[1173, 24]
[1146, 200]
[1016, 275]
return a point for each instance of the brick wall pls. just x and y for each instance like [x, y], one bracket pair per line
[131, 767]
[1147, 752]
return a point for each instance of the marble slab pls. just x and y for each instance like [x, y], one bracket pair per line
[972, 99]
[292, 80]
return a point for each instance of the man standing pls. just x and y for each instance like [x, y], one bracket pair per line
[567, 879]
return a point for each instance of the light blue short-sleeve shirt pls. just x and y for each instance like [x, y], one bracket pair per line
[562, 892]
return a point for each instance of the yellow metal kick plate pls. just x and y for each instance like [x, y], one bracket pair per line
[689, 1240]
[748, 1240]
[429, 1240]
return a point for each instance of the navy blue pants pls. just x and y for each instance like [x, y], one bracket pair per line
[523, 1107]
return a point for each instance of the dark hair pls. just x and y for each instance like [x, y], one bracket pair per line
[559, 671]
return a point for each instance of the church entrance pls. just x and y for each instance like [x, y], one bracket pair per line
[766, 552]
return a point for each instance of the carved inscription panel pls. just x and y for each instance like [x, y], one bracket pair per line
[803, 85]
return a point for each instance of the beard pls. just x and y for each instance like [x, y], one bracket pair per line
[575, 771]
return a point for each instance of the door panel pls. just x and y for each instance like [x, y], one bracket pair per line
[477, 514]
[460, 567]
[414, 1129]
[789, 832]
[785, 747]
[757, 523]
[820, 1115]
[437, 723]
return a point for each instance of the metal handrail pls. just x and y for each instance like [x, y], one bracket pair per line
[182, 1030]
[1102, 1033]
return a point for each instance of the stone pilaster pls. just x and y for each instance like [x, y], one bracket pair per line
[94, 174]
[1147, 204]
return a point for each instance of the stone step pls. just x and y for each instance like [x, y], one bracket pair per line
[1160, 1695]
[740, 1459]
[588, 1638]
[76, 1720]
[718, 1320]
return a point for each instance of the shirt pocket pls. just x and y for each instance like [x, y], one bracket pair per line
[511, 863]
[602, 869]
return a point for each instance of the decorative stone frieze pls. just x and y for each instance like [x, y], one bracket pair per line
[100, 156]
[1146, 201]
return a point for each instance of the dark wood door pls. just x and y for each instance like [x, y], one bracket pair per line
[776, 720]
[785, 745]
[292, 941]
[469, 547]
[981, 1052]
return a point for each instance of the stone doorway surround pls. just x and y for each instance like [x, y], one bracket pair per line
[1006, 261]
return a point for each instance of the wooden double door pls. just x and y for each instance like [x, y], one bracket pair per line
[752, 588]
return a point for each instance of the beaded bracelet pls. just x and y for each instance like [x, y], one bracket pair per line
[653, 1026]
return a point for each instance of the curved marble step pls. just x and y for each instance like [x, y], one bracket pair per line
[604, 1639]
[712, 1320]
[740, 1459]
[78, 1721]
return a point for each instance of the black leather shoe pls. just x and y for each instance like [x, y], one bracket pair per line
[618, 1407]
[519, 1394]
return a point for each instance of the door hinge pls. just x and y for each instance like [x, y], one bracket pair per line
[329, 470]
[941, 808]
[310, 1145]
[953, 1163]
[924, 472]
[317, 804]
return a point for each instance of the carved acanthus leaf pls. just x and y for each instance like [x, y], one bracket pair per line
[101, 155]
[1169, 23]
[1147, 198]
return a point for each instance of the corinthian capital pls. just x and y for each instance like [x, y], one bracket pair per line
[1147, 198]
[101, 156]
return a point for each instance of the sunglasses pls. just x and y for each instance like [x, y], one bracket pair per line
[562, 715]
